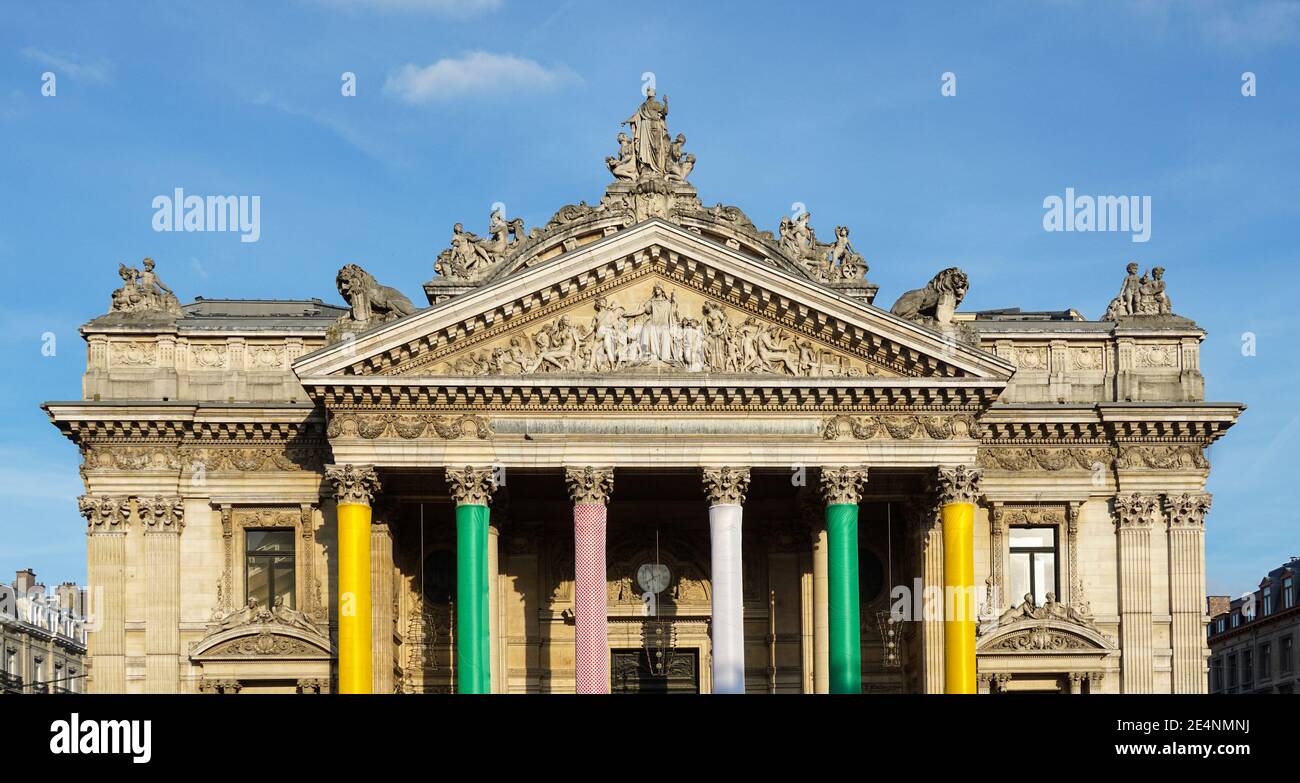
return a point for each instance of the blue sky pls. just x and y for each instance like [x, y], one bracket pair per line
[461, 104]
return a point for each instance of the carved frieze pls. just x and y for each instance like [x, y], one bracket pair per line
[264, 644]
[353, 483]
[135, 353]
[900, 427]
[1163, 457]
[1045, 458]
[116, 456]
[410, 426]
[1040, 638]
[589, 485]
[726, 485]
[1030, 515]
[843, 485]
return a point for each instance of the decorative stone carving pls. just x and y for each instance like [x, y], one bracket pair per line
[1135, 510]
[113, 456]
[960, 484]
[650, 151]
[408, 426]
[143, 291]
[248, 460]
[1022, 516]
[825, 262]
[372, 304]
[726, 486]
[1041, 458]
[1140, 296]
[936, 303]
[471, 257]
[471, 486]
[589, 485]
[1162, 457]
[353, 483]
[655, 335]
[162, 514]
[264, 644]
[254, 614]
[313, 685]
[900, 427]
[1039, 638]
[104, 514]
[843, 485]
[1050, 610]
[1188, 510]
[220, 686]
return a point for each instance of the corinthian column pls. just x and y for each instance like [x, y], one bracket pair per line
[726, 488]
[842, 491]
[163, 518]
[107, 520]
[958, 492]
[1186, 514]
[472, 488]
[355, 487]
[1133, 515]
[589, 489]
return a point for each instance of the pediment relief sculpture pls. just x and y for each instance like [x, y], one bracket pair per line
[656, 328]
[371, 304]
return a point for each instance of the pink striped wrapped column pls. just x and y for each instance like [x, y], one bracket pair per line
[589, 489]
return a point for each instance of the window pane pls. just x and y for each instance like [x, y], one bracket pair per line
[1018, 581]
[1039, 537]
[284, 580]
[268, 540]
[259, 581]
[1044, 577]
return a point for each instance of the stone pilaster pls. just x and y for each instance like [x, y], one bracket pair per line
[381, 604]
[163, 519]
[107, 521]
[1133, 519]
[1186, 518]
[928, 529]
[997, 556]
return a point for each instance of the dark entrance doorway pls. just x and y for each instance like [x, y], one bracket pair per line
[630, 672]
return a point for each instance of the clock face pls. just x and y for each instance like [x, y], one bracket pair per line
[653, 577]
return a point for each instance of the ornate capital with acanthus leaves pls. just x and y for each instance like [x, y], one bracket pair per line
[843, 485]
[105, 514]
[162, 514]
[589, 485]
[355, 484]
[1188, 510]
[959, 484]
[1135, 510]
[726, 486]
[471, 486]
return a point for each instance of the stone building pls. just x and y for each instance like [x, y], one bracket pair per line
[1253, 638]
[647, 446]
[42, 637]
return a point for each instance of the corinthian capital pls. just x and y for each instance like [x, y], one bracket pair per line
[104, 514]
[726, 486]
[843, 485]
[589, 485]
[1135, 510]
[356, 484]
[1188, 510]
[162, 514]
[959, 484]
[471, 486]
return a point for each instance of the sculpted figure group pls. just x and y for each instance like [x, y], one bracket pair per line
[825, 262]
[471, 256]
[654, 335]
[1050, 610]
[142, 290]
[650, 151]
[1144, 295]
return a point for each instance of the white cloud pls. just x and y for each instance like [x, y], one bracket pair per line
[474, 73]
[66, 65]
[445, 7]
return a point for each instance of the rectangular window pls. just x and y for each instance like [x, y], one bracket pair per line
[1265, 661]
[1247, 669]
[1236, 619]
[1268, 600]
[1288, 593]
[1232, 671]
[1033, 563]
[1285, 651]
[269, 566]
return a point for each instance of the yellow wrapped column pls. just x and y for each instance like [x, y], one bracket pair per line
[355, 487]
[958, 491]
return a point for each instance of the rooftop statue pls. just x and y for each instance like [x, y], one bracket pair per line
[824, 262]
[937, 302]
[143, 291]
[372, 304]
[1140, 296]
[470, 256]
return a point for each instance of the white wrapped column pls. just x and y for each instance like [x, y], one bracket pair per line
[726, 489]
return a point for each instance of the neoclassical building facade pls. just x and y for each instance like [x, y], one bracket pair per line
[645, 447]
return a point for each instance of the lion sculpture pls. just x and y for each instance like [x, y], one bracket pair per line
[371, 302]
[937, 301]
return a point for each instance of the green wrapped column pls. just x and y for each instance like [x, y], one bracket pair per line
[842, 488]
[472, 488]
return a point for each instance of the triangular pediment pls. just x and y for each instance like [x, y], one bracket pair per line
[652, 300]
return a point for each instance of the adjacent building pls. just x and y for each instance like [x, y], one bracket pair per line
[1253, 638]
[646, 446]
[42, 637]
